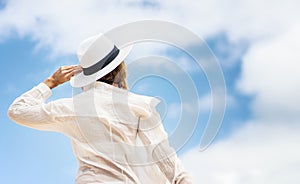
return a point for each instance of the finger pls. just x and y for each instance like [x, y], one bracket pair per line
[69, 70]
[68, 67]
[72, 73]
[77, 70]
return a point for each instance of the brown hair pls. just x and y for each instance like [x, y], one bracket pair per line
[117, 76]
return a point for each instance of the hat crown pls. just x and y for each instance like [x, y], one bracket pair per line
[93, 49]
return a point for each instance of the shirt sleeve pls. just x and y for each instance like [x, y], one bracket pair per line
[155, 138]
[30, 110]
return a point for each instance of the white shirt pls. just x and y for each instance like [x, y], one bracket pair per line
[117, 136]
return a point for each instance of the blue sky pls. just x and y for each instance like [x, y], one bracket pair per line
[258, 63]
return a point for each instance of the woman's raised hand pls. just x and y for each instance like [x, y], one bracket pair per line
[62, 75]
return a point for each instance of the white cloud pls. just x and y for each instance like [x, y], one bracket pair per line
[267, 150]
[242, 19]
[206, 102]
[188, 65]
[255, 154]
[270, 71]
[62, 25]
[229, 52]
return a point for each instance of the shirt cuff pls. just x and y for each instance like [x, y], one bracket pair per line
[44, 90]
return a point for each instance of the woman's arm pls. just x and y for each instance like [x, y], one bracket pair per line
[30, 108]
[155, 139]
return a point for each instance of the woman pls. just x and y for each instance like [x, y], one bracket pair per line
[117, 136]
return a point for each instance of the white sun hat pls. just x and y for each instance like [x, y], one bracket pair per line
[97, 56]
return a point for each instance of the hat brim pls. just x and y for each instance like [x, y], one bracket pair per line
[80, 80]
